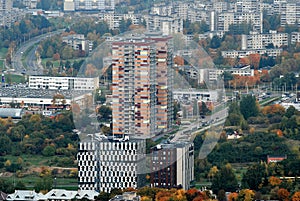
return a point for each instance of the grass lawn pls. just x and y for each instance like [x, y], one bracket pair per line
[29, 160]
[60, 182]
[3, 52]
[12, 78]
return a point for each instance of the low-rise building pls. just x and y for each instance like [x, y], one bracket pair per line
[78, 42]
[63, 83]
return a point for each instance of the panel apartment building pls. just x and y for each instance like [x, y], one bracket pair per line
[142, 85]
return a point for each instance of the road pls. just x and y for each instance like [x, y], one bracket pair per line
[31, 61]
[187, 134]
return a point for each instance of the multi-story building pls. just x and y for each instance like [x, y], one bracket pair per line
[260, 41]
[77, 5]
[108, 163]
[30, 3]
[212, 75]
[274, 52]
[142, 84]
[63, 83]
[172, 165]
[166, 24]
[295, 37]
[113, 19]
[5, 5]
[289, 13]
[78, 42]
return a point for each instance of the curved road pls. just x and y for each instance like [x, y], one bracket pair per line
[31, 61]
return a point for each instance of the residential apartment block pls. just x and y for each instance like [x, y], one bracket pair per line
[274, 52]
[113, 19]
[260, 41]
[63, 83]
[212, 75]
[87, 5]
[108, 163]
[78, 42]
[142, 84]
[166, 24]
[172, 165]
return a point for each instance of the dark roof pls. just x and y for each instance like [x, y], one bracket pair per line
[3, 195]
[11, 112]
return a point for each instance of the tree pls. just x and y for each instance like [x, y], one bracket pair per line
[225, 179]
[221, 195]
[49, 151]
[248, 106]
[215, 42]
[233, 196]
[5, 145]
[246, 195]
[254, 176]
[296, 196]
[212, 172]
[283, 194]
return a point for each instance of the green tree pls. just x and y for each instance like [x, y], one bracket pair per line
[5, 145]
[254, 176]
[248, 106]
[49, 151]
[225, 179]
[215, 42]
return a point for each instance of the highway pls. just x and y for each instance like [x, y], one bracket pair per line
[33, 68]
[213, 122]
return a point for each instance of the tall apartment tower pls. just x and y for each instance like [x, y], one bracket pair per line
[142, 85]
[172, 165]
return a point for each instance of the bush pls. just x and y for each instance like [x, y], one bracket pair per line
[48, 151]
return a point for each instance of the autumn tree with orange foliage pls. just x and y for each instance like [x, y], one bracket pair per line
[179, 60]
[283, 194]
[296, 196]
[273, 109]
[254, 60]
[232, 196]
[274, 181]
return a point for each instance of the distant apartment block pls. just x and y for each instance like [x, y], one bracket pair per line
[6, 5]
[225, 19]
[212, 75]
[113, 19]
[88, 5]
[295, 37]
[78, 42]
[8, 14]
[166, 24]
[289, 13]
[201, 95]
[142, 84]
[172, 165]
[107, 163]
[30, 3]
[245, 53]
[260, 41]
[63, 83]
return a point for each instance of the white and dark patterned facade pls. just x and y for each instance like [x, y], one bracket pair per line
[107, 164]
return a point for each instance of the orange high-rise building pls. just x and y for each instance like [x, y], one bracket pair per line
[142, 85]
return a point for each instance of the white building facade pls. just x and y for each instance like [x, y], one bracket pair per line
[63, 83]
[105, 164]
